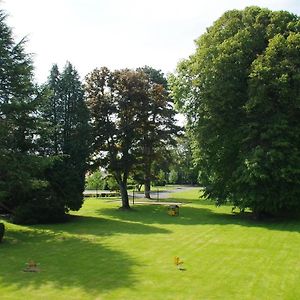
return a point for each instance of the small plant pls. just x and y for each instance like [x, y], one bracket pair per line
[2, 230]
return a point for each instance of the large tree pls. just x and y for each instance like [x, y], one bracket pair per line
[43, 145]
[17, 122]
[240, 92]
[66, 135]
[115, 100]
[158, 125]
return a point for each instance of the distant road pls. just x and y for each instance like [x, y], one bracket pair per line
[157, 194]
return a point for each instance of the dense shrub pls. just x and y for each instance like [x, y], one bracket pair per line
[45, 206]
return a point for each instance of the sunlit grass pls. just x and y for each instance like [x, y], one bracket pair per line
[107, 253]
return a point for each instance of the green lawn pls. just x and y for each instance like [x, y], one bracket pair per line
[106, 253]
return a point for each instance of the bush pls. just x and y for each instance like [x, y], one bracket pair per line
[95, 181]
[160, 179]
[112, 183]
[173, 177]
[44, 206]
[2, 230]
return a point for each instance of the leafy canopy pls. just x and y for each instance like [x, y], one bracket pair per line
[240, 93]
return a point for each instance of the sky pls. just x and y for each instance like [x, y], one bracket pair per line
[117, 33]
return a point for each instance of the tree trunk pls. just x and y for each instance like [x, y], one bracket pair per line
[147, 185]
[148, 163]
[124, 195]
[139, 186]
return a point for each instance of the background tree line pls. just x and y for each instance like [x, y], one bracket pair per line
[239, 92]
[50, 135]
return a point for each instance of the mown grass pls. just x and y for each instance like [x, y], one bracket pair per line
[106, 253]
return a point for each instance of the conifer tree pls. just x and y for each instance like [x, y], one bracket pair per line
[67, 137]
[17, 121]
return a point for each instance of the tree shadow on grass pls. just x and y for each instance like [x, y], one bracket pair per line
[64, 262]
[101, 227]
[180, 200]
[190, 215]
[70, 255]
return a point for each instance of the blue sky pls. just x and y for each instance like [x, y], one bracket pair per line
[117, 33]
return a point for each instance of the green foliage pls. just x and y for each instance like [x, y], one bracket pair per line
[240, 92]
[111, 183]
[43, 144]
[173, 177]
[20, 169]
[184, 163]
[158, 128]
[133, 120]
[2, 231]
[156, 76]
[160, 179]
[99, 181]
[95, 181]
[115, 100]
[67, 136]
[36, 201]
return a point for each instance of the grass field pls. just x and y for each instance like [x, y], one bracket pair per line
[106, 253]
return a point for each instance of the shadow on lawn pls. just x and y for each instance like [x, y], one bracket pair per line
[70, 255]
[65, 262]
[156, 214]
[97, 226]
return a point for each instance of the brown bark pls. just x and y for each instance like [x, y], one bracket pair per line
[124, 195]
[147, 169]
[147, 185]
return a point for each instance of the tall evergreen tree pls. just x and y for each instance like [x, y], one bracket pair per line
[17, 121]
[43, 145]
[67, 137]
[52, 114]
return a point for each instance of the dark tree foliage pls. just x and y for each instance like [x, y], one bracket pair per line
[52, 111]
[116, 100]
[156, 76]
[158, 127]
[19, 182]
[241, 94]
[41, 155]
[66, 136]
